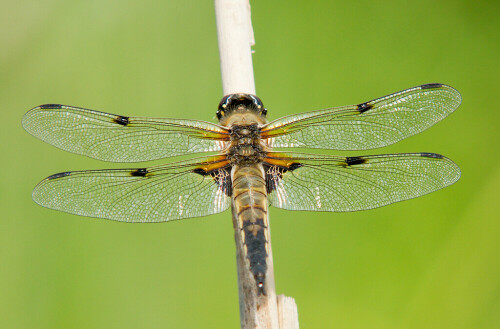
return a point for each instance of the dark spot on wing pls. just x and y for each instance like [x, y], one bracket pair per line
[221, 177]
[200, 171]
[431, 155]
[274, 174]
[364, 107]
[141, 172]
[124, 121]
[294, 166]
[352, 161]
[51, 106]
[59, 175]
[431, 85]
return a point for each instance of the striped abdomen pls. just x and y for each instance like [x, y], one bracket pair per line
[250, 205]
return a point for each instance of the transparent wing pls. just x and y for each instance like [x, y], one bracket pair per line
[329, 183]
[178, 190]
[369, 125]
[117, 138]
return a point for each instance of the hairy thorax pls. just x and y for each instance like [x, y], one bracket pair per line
[246, 146]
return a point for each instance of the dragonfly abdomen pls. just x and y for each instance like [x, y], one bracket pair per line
[250, 205]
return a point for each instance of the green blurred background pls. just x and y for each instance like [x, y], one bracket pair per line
[432, 262]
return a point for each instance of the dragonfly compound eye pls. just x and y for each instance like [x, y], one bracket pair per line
[240, 102]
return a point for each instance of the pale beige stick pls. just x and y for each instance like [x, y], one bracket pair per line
[235, 34]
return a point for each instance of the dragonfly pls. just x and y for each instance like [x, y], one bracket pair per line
[244, 167]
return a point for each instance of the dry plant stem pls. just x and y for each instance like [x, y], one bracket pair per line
[235, 35]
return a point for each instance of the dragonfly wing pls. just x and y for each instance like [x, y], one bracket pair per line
[178, 190]
[368, 125]
[330, 183]
[117, 138]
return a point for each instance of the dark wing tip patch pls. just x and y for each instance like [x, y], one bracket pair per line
[431, 155]
[59, 175]
[363, 107]
[121, 120]
[431, 85]
[141, 172]
[352, 161]
[51, 106]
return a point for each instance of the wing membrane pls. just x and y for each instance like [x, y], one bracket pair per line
[117, 138]
[178, 190]
[369, 125]
[329, 183]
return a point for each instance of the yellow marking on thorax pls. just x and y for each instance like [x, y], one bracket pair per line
[243, 118]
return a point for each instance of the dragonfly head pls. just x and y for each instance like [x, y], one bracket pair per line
[242, 103]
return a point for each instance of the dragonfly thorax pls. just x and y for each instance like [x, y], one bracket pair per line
[246, 146]
[244, 132]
